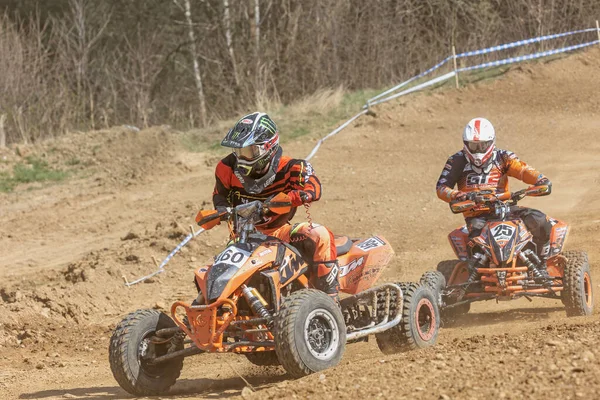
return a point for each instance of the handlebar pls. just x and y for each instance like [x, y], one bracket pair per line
[252, 211]
[486, 200]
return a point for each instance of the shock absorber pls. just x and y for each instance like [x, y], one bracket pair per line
[535, 271]
[478, 260]
[256, 302]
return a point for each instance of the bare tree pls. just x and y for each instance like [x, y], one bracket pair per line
[194, 54]
[229, 41]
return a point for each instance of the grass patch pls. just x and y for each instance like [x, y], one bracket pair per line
[314, 115]
[33, 170]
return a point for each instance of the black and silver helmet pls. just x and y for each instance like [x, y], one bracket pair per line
[255, 141]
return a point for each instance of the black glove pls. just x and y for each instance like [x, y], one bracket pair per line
[224, 211]
[305, 197]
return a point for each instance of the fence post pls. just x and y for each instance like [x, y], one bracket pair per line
[2, 131]
[598, 30]
[455, 69]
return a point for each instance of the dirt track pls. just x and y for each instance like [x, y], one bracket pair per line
[64, 254]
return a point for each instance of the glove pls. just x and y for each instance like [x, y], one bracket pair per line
[224, 211]
[462, 196]
[305, 197]
[543, 181]
[299, 197]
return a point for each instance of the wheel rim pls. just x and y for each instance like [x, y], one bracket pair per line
[587, 288]
[321, 334]
[425, 319]
[145, 350]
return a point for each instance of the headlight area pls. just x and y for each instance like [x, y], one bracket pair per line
[217, 278]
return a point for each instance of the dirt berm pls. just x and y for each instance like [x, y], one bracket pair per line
[65, 248]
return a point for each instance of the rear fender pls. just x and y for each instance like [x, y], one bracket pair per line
[363, 264]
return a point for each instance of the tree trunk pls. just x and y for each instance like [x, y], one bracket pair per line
[229, 41]
[197, 75]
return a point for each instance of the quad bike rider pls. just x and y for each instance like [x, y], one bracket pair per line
[502, 235]
[256, 170]
[272, 293]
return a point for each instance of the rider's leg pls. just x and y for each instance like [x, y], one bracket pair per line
[317, 246]
[538, 224]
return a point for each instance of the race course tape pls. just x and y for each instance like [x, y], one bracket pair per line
[521, 43]
[423, 85]
[333, 133]
[513, 60]
[161, 267]
[422, 74]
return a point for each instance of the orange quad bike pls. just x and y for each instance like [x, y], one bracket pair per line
[256, 300]
[502, 262]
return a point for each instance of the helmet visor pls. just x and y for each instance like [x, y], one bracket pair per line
[479, 146]
[249, 153]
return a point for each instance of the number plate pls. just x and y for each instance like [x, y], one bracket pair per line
[370, 244]
[233, 256]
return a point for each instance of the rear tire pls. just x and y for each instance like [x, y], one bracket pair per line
[128, 345]
[419, 325]
[263, 358]
[577, 294]
[310, 334]
[446, 268]
[436, 281]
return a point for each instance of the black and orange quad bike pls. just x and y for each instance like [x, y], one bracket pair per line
[503, 263]
[255, 300]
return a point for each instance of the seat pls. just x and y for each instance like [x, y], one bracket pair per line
[343, 244]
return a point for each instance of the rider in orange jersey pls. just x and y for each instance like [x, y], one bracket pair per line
[482, 166]
[257, 170]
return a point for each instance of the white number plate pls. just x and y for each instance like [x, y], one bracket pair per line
[370, 244]
[233, 256]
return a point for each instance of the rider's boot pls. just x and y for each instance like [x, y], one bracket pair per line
[327, 279]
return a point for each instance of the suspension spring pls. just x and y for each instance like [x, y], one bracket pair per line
[308, 216]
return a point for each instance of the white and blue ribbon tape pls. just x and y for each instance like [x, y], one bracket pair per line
[161, 267]
[513, 60]
[522, 43]
[422, 74]
[423, 85]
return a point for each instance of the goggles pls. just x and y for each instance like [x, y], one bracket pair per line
[250, 153]
[479, 146]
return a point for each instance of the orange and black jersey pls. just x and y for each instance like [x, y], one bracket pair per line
[458, 172]
[294, 177]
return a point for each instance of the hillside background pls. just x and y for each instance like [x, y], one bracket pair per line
[90, 64]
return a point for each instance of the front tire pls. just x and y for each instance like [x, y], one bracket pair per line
[310, 334]
[419, 325]
[577, 294]
[129, 346]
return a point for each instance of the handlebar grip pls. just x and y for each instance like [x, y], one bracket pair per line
[458, 207]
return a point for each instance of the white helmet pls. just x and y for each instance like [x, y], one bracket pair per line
[479, 138]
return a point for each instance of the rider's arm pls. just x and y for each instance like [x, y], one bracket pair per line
[520, 170]
[450, 176]
[304, 183]
[222, 185]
